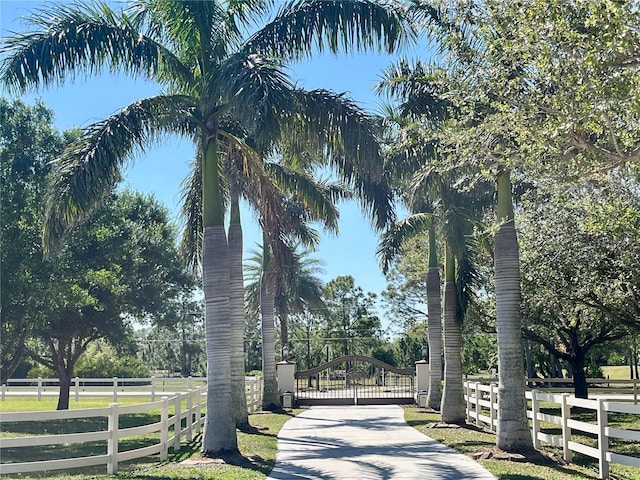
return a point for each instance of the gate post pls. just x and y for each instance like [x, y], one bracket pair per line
[422, 377]
[286, 380]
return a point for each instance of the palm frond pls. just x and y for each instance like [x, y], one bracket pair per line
[262, 83]
[390, 245]
[418, 88]
[304, 26]
[333, 124]
[71, 40]
[316, 198]
[191, 213]
[90, 167]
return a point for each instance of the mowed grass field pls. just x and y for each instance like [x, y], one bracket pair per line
[616, 372]
[258, 448]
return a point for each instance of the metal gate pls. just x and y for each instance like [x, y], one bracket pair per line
[355, 380]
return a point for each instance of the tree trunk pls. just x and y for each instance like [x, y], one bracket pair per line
[453, 406]
[434, 325]
[579, 378]
[270, 398]
[513, 429]
[236, 304]
[64, 377]
[220, 428]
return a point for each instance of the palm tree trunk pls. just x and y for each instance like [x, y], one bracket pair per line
[453, 406]
[270, 398]
[236, 304]
[220, 429]
[513, 430]
[434, 324]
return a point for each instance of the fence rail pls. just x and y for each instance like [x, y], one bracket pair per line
[186, 421]
[482, 409]
[171, 428]
[153, 387]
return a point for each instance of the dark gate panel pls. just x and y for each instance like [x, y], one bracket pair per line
[355, 380]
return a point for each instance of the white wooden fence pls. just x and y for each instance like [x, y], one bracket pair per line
[184, 423]
[170, 429]
[153, 387]
[482, 409]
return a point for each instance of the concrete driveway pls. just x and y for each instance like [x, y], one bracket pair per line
[365, 442]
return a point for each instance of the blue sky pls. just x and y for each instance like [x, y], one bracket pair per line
[161, 168]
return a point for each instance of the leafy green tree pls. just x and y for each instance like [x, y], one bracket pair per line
[180, 323]
[119, 266]
[352, 319]
[28, 143]
[578, 82]
[408, 346]
[403, 298]
[580, 259]
[200, 51]
[102, 360]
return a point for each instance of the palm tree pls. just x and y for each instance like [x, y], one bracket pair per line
[464, 38]
[453, 406]
[301, 292]
[513, 428]
[421, 110]
[313, 201]
[434, 323]
[200, 52]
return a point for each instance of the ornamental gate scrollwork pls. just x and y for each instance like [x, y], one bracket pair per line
[355, 380]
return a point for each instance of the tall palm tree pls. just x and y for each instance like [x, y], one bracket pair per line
[200, 52]
[453, 406]
[513, 428]
[434, 323]
[463, 38]
[301, 292]
[409, 126]
[311, 201]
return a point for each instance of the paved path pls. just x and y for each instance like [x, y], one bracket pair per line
[365, 443]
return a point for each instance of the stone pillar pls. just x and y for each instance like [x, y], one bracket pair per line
[422, 375]
[286, 376]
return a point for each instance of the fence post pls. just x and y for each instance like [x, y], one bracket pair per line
[4, 390]
[164, 429]
[115, 389]
[467, 392]
[39, 388]
[199, 411]
[76, 381]
[112, 442]
[566, 430]
[153, 388]
[603, 440]
[177, 425]
[635, 391]
[189, 415]
[189, 382]
[477, 407]
[492, 410]
[535, 407]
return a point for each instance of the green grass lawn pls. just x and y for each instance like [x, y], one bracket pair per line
[258, 448]
[616, 372]
[470, 440]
